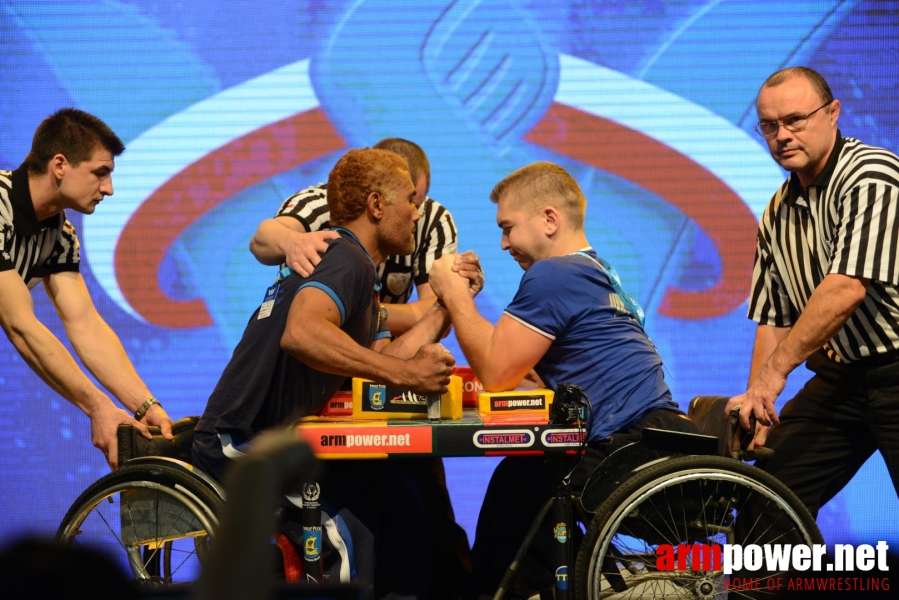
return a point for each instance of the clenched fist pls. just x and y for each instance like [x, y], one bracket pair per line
[428, 372]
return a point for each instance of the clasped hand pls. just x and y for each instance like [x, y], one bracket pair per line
[457, 271]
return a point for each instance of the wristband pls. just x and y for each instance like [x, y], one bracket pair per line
[140, 412]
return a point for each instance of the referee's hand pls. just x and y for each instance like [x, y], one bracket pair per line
[158, 417]
[105, 421]
[758, 400]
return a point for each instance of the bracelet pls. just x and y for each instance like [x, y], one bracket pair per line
[140, 412]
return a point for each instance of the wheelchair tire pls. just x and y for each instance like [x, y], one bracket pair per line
[155, 520]
[684, 500]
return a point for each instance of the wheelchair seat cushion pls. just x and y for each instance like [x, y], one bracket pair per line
[132, 444]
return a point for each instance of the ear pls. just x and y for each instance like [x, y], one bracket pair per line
[57, 165]
[552, 220]
[835, 111]
[375, 203]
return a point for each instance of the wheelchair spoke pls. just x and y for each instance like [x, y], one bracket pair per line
[111, 529]
[156, 527]
[162, 549]
[188, 555]
[134, 563]
[694, 504]
[153, 552]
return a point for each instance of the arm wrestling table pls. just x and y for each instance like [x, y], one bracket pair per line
[335, 438]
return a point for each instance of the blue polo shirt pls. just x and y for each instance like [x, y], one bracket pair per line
[598, 341]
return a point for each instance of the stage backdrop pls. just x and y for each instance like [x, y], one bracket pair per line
[228, 107]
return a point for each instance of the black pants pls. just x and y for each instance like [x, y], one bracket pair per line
[377, 494]
[519, 487]
[834, 424]
[450, 552]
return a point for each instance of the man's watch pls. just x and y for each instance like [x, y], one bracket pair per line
[140, 412]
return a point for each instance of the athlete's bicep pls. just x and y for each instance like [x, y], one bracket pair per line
[514, 350]
[314, 303]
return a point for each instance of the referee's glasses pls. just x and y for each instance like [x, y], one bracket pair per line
[793, 123]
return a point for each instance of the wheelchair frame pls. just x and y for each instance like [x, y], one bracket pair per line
[163, 513]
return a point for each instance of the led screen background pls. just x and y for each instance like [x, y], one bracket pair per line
[229, 107]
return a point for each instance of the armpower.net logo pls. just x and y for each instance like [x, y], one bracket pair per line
[779, 567]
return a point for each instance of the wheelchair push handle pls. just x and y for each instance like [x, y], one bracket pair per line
[709, 416]
[134, 445]
[739, 438]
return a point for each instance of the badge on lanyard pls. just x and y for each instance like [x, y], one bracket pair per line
[265, 310]
[271, 294]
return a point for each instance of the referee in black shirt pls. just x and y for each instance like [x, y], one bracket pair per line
[825, 289]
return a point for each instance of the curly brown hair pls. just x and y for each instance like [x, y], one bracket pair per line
[357, 174]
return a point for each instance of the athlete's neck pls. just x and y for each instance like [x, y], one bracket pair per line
[570, 244]
[367, 238]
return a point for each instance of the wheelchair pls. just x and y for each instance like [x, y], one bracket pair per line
[156, 514]
[676, 490]
[159, 513]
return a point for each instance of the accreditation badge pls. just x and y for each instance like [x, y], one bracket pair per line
[265, 310]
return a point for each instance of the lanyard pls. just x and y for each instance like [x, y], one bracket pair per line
[632, 306]
[379, 310]
[377, 286]
[267, 305]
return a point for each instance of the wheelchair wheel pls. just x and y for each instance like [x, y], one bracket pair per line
[156, 520]
[688, 500]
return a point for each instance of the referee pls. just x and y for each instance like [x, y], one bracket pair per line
[69, 168]
[825, 290]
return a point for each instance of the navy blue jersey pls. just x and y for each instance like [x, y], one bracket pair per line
[597, 337]
[263, 386]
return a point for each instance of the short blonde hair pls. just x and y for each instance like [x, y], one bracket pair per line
[357, 174]
[545, 184]
[414, 155]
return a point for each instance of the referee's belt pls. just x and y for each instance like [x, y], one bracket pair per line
[869, 362]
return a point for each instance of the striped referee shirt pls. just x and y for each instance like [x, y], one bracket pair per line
[435, 235]
[33, 248]
[845, 222]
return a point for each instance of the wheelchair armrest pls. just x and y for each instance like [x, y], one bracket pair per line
[707, 413]
[134, 445]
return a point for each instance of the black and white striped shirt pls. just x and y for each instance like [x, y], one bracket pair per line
[846, 222]
[435, 235]
[34, 249]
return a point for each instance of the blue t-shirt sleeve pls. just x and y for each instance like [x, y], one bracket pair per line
[544, 299]
[346, 275]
